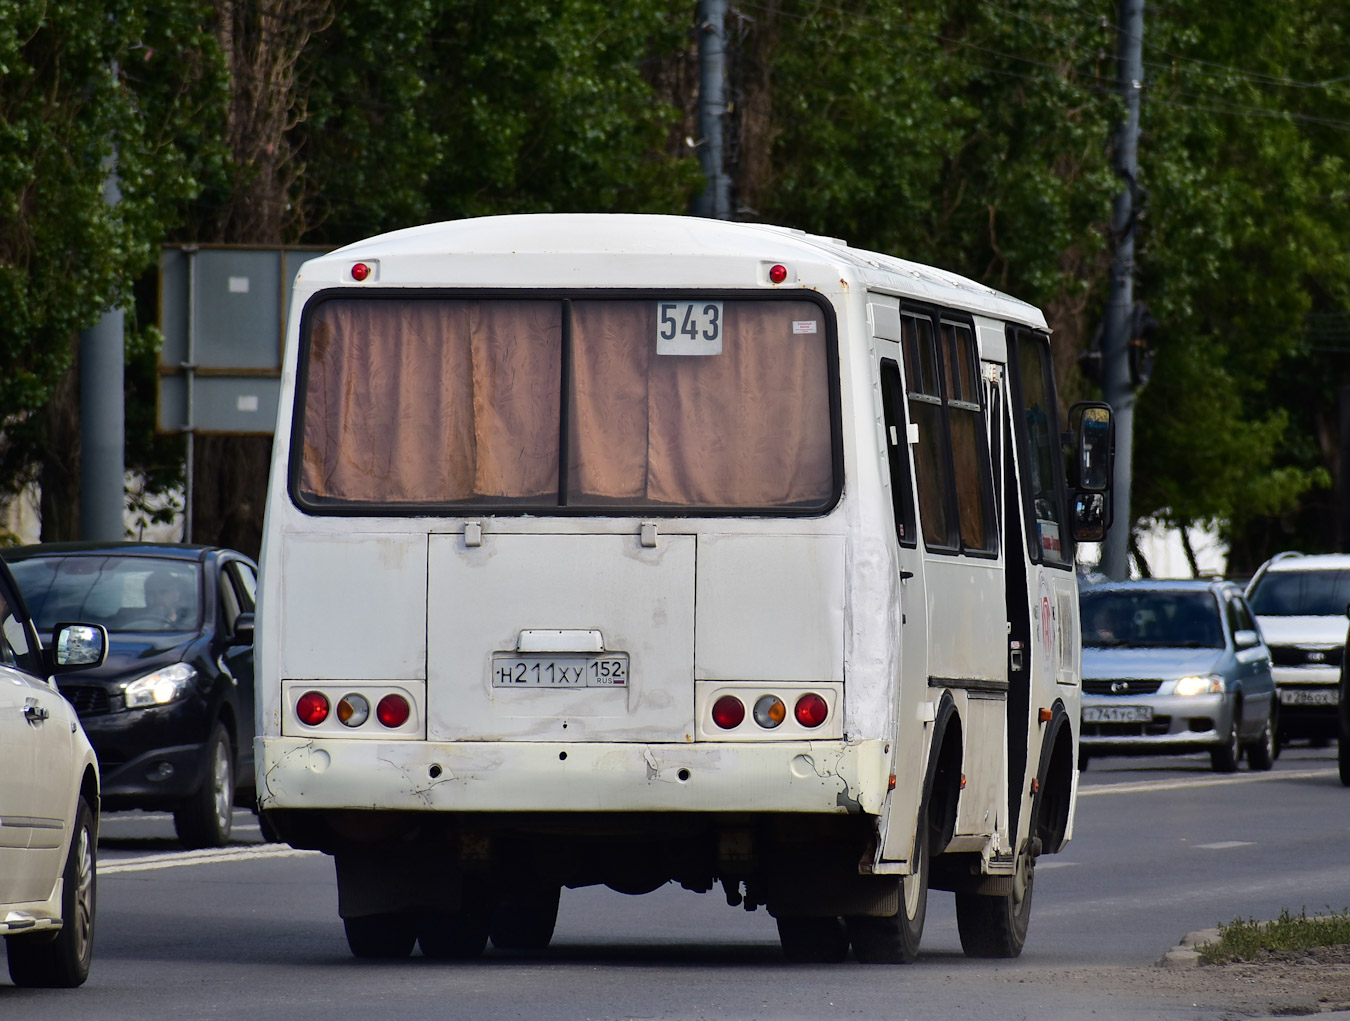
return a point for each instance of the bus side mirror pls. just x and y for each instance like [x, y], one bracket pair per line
[1094, 431]
[1094, 438]
[1091, 516]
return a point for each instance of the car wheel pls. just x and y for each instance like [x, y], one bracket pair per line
[997, 926]
[1224, 758]
[525, 916]
[1261, 755]
[381, 936]
[62, 960]
[1343, 749]
[205, 818]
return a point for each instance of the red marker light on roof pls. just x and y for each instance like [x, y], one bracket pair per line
[360, 271]
[777, 274]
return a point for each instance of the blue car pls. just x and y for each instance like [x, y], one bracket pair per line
[170, 712]
[1176, 667]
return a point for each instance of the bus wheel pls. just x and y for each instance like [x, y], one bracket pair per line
[386, 936]
[813, 940]
[997, 926]
[525, 916]
[457, 935]
[895, 939]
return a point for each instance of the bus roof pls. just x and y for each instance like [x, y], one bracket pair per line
[607, 236]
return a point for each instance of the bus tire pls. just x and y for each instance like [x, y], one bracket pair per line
[457, 935]
[894, 939]
[813, 940]
[386, 936]
[996, 926]
[525, 916]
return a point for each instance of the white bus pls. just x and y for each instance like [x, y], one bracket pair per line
[630, 550]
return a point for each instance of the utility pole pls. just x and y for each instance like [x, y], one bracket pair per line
[712, 108]
[102, 415]
[1118, 382]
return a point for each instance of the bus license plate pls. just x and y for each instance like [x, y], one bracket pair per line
[599, 670]
[1296, 696]
[1117, 713]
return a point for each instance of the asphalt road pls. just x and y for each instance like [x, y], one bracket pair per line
[1161, 847]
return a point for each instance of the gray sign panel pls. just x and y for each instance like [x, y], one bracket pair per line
[220, 404]
[223, 312]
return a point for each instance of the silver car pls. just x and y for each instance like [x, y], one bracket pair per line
[1176, 667]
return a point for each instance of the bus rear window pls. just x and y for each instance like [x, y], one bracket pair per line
[535, 405]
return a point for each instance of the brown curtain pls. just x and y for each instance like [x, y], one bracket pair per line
[440, 401]
[425, 401]
[749, 427]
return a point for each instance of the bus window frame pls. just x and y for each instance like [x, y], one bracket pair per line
[1017, 417]
[563, 296]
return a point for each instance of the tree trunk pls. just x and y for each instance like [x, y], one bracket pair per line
[229, 491]
[59, 476]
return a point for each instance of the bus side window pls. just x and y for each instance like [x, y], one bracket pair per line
[970, 442]
[1037, 422]
[897, 451]
[932, 466]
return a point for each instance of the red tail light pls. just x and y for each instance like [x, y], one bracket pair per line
[312, 708]
[393, 711]
[728, 711]
[811, 710]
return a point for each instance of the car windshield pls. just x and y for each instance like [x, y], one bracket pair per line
[1151, 619]
[1301, 594]
[140, 594]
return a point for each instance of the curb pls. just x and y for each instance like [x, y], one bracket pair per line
[1186, 954]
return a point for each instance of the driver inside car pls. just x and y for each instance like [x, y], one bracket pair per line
[164, 596]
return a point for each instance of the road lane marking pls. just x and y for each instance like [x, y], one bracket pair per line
[206, 856]
[1224, 845]
[1172, 785]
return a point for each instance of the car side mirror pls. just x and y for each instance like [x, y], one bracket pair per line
[1246, 639]
[77, 646]
[243, 629]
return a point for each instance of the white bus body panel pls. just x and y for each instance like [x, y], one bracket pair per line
[406, 601]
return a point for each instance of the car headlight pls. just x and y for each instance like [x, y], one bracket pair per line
[161, 687]
[1208, 685]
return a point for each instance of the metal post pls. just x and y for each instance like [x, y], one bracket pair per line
[716, 198]
[1118, 388]
[1343, 489]
[102, 416]
[189, 368]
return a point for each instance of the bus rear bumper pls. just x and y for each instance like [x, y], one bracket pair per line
[528, 776]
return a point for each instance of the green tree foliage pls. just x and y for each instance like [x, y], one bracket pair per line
[1245, 142]
[76, 77]
[972, 134]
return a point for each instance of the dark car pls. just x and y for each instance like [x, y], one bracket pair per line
[170, 712]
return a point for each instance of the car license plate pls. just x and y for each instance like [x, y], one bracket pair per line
[1117, 713]
[1297, 696]
[562, 670]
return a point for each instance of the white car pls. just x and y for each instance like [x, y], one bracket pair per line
[49, 800]
[1301, 603]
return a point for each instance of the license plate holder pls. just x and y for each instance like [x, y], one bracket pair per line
[560, 670]
[1302, 696]
[1117, 714]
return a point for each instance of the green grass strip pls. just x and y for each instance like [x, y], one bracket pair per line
[1249, 940]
